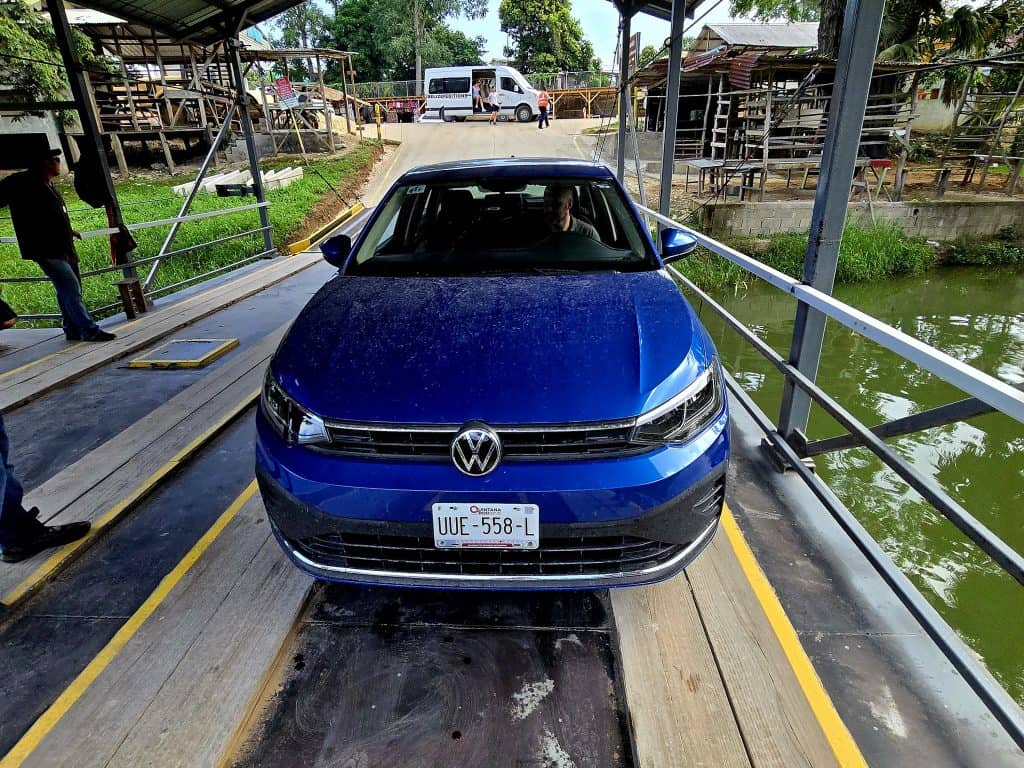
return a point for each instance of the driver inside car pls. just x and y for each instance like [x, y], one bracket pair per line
[557, 207]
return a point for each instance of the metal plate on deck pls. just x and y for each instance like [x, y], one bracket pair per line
[185, 353]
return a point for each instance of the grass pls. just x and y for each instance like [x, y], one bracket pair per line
[1005, 249]
[866, 254]
[596, 130]
[144, 199]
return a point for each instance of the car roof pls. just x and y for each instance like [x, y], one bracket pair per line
[509, 168]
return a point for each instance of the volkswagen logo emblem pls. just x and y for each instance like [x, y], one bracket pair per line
[476, 449]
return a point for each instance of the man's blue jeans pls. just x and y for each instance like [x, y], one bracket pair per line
[15, 523]
[65, 278]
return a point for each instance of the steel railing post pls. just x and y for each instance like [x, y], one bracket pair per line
[861, 27]
[626, 12]
[235, 64]
[188, 199]
[668, 147]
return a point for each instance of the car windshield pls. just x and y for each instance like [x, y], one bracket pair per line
[494, 226]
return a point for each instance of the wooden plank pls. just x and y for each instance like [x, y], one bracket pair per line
[678, 705]
[31, 382]
[129, 465]
[178, 691]
[778, 725]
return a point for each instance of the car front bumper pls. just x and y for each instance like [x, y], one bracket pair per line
[615, 522]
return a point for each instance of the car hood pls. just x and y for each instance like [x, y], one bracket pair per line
[507, 350]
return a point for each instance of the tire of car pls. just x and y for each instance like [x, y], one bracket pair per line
[523, 113]
[444, 118]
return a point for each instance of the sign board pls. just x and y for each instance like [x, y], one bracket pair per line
[286, 96]
[634, 53]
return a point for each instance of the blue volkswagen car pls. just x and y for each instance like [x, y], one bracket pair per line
[502, 388]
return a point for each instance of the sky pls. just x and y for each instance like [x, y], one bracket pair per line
[600, 22]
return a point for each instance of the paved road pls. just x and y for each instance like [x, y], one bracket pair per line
[426, 143]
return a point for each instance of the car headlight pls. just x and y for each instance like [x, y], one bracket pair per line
[686, 414]
[289, 419]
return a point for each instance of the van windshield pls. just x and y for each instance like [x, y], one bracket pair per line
[491, 226]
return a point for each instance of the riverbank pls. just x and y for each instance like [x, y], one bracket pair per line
[866, 254]
[294, 212]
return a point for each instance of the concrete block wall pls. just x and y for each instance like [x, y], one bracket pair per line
[940, 220]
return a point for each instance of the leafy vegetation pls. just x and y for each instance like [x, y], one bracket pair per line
[1006, 248]
[545, 37]
[146, 199]
[30, 63]
[392, 39]
[866, 254]
[912, 30]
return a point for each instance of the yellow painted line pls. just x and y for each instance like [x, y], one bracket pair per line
[387, 174]
[220, 350]
[42, 359]
[341, 218]
[843, 746]
[67, 553]
[177, 307]
[52, 716]
[576, 143]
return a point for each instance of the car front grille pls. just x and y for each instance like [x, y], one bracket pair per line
[518, 443]
[578, 555]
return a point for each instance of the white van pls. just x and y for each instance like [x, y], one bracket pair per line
[449, 92]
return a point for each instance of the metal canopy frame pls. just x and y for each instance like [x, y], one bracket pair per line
[195, 20]
[814, 304]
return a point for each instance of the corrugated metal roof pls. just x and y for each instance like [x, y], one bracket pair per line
[742, 68]
[803, 34]
[203, 21]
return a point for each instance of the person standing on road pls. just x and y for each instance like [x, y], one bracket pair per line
[21, 535]
[45, 236]
[542, 104]
[495, 104]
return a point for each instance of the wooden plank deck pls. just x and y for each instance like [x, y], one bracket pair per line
[705, 680]
[104, 483]
[28, 382]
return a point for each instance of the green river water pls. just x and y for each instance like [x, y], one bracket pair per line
[976, 315]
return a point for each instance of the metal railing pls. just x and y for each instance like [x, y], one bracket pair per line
[153, 260]
[995, 393]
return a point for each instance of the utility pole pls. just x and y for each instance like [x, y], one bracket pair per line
[417, 42]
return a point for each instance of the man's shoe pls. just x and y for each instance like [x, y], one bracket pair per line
[52, 536]
[101, 336]
[72, 337]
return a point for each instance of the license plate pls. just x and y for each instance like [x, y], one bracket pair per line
[486, 526]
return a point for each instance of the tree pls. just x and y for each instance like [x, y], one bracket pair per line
[649, 53]
[33, 75]
[911, 29]
[368, 27]
[545, 37]
[303, 26]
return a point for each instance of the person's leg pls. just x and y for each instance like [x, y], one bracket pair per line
[21, 535]
[64, 276]
[16, 524]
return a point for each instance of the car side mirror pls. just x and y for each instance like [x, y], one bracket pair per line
[336, 250]
[675, 244]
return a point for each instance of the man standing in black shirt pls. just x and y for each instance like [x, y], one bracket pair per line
[45, 236]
